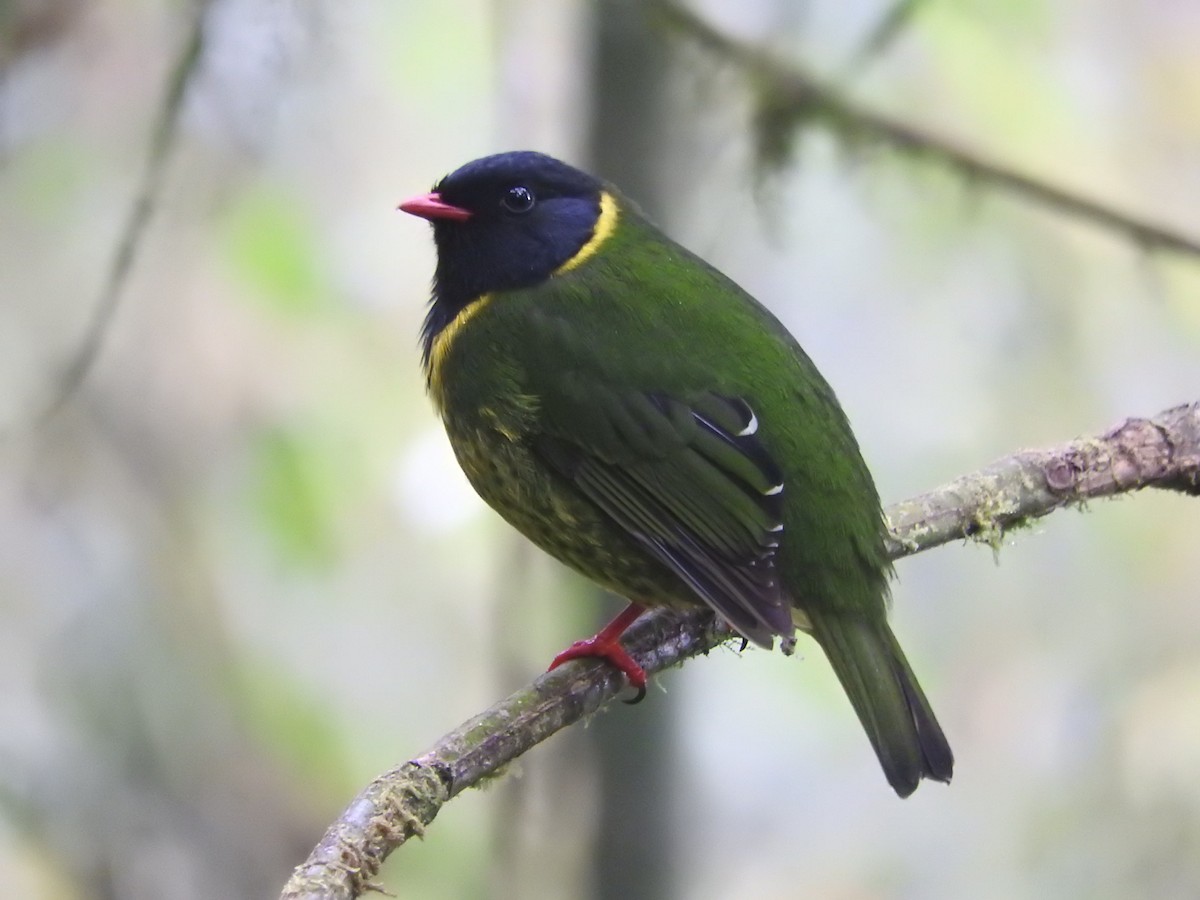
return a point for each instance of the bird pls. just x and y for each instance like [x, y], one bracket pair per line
[640, 417]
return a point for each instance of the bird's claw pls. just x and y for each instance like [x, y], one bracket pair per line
[611, 652]
[638, 697]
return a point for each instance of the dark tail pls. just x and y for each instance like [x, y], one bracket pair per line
[890, 704]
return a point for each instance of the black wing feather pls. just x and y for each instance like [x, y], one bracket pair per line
[694, 485]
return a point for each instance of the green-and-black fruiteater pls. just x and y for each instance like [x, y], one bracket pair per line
[643, 419]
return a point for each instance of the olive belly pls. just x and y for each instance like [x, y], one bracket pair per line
[546, 508]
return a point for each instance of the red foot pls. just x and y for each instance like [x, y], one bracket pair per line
[606, 645]
[610, 651]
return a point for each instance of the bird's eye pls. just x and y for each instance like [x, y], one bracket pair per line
[518, 200]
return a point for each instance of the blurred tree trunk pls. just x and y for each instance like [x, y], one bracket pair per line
[634, 748]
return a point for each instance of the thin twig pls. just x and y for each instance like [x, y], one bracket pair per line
[161, 143]
[882, 35]
[789, 95]
[1161, 452]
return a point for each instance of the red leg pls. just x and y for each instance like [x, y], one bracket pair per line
[606, 645]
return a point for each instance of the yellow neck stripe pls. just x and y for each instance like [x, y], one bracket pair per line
[606, 224]
[445, 337]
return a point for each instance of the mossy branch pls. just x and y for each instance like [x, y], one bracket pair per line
[788, 96]
[1161, 452]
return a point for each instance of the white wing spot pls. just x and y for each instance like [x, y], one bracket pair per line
[775, 529]
[751, 426]
[772, 491]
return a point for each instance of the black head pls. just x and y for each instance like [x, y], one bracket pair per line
[503, 222]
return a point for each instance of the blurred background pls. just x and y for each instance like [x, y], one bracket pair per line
[240, 573]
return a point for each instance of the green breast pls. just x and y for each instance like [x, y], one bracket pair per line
[490, 408]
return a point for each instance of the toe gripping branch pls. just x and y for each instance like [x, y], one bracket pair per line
[606, 645]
